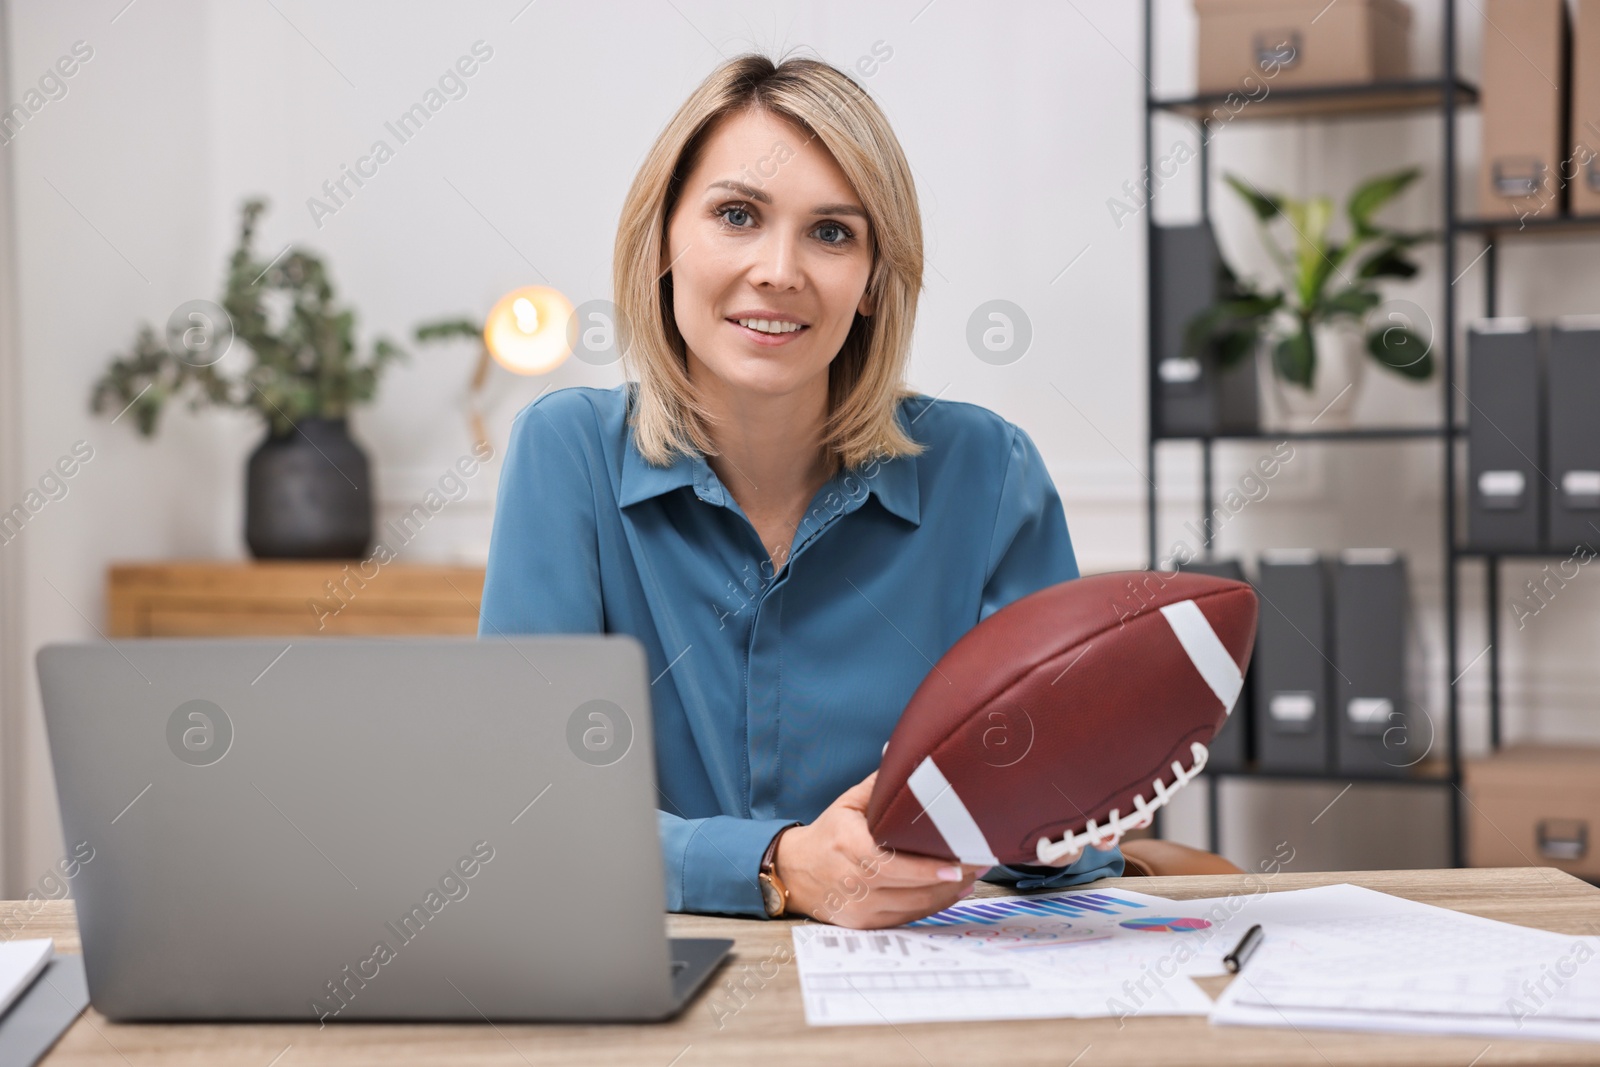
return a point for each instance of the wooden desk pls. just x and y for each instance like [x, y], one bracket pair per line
[770, 1027]
[203, 598]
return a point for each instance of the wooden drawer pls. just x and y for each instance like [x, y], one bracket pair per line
[282, 597]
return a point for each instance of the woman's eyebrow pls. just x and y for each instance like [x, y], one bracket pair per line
[751, 192]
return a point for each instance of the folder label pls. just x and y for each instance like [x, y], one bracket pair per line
[1581, 488]
[1296, 708]
[1502, 489]
[1369, 714]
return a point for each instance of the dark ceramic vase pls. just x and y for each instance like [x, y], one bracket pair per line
[308, 494]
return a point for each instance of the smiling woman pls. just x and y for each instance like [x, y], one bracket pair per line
[826, 163]
[792, 534]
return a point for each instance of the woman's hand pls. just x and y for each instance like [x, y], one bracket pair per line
[836, 873]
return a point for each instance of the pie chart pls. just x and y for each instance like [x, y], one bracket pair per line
[1166, 926]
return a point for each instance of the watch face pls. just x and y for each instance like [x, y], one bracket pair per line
[771, 896]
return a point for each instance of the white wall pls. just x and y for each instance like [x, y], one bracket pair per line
[1021, 121]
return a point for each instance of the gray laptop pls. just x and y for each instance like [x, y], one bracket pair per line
[366, 828]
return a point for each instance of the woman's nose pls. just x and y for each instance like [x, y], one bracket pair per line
[777, 262]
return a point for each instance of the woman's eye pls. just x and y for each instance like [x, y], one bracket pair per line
[738, 217]
[844, 234]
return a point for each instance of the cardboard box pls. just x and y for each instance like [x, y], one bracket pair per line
[1584, 143]
[1535, 805]
[1293, 43]
[1525, 47]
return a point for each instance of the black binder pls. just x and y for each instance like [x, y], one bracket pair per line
[1230, 750]
[1505, 475]
[1574, 435]
[1375, 732]
[1293, 662]
[1193, 397]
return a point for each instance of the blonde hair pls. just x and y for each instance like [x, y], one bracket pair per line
[866, 379]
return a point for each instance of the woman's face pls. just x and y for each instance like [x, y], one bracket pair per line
[766, 228]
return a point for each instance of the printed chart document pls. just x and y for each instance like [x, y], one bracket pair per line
[1103, 943]
[1074, 954]
[1344, 957]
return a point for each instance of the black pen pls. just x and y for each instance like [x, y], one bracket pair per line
[1243, 950]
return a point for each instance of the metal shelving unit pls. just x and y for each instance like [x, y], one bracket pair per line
[1580, 225]
[1354, 433]
[1334, 101]
[1444, 96]
[1494, 231]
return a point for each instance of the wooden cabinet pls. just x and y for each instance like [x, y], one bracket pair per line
[202, 598]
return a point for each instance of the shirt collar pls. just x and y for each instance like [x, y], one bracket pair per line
[641, 480]
[893, 482]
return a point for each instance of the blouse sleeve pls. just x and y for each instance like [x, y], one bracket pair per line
[543, 574]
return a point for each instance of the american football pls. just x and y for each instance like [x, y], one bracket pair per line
[1066, 718]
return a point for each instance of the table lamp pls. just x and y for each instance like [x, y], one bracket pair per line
[526, 333]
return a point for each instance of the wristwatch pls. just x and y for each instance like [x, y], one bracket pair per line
[774, 894]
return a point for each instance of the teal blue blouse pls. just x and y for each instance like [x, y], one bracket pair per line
[773, 693]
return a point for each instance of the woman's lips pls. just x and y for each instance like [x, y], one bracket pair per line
[770, 340]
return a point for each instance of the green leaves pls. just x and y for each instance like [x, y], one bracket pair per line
[1231, 329]
[446, 329]
[1266, 207]
[1294, 357]
[303, 344]
[1310, 219]
[1353, 302]
[1387, 262]
[1371, 195]
[1399, 349]
[1312, 262]
[141, 383]
[303, 341]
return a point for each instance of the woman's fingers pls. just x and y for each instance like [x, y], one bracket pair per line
[906, 869]
[898, 906]
[856, 796]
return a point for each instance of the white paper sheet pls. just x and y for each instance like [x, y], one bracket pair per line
[1349, 958]
[20, 964]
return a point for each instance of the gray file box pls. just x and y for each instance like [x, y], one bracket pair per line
[1574, 434]
[1505, 483]
[1374, 732]
[1192, 397]
[1230, 749]
[1293, 663]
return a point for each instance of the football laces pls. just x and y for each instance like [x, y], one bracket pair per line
[1116, 824]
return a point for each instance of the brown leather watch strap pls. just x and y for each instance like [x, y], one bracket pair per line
[771, 854]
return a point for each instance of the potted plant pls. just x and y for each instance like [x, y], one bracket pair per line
[309, 486]
[1314, 332]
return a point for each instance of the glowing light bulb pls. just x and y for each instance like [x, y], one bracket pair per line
[526, 331]
[526, 314]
